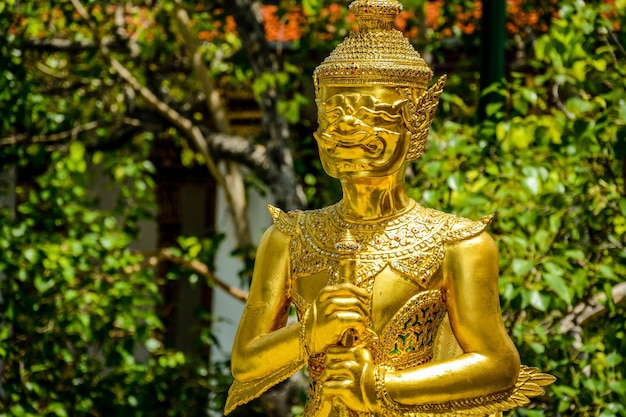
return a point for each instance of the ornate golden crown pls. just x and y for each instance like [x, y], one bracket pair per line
[375, 54]
[378, 54]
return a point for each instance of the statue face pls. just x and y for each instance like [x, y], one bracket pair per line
[361, 131]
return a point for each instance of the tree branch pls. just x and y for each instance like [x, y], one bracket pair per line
[615, 40]
[589, 310]
[202, 269]
[240, 149]
[185, 125]
[214, 100]
[286, 190]
[54, 137]
[557, 101]
[61, 44]
[235, 193]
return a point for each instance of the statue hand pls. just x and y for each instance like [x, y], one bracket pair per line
[349, 377]
[336, 309]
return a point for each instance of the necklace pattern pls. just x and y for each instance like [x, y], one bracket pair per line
[411, 243]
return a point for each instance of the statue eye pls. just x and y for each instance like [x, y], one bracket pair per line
[377, 117]
[331, 115]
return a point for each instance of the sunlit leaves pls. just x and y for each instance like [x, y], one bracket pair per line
[553, 174]
[79, 301]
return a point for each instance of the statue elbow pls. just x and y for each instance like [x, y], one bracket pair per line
[508, 368]
[241, 368]
[241, 372]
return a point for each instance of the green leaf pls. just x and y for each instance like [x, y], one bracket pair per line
[622, 205]
[575, 254]
[152, 345]
[521, 136]
[618, 387]
[539, 301]
[599, 64]
[456, 181]
[532, 184]
[168, 6]
[58, 409]
[580, 70]
[195, 249]
[607, 271]
[529, 94]
[31, 255]
[538, 347]
[521, 267]
[613, 359]
[558, 285]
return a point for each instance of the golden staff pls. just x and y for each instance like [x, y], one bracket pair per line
[347, 247]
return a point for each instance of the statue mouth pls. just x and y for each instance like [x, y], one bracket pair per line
[365, 141]
[351, 166]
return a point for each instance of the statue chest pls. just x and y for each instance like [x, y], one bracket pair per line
[399, 265]
[399, 262]
[396, 259]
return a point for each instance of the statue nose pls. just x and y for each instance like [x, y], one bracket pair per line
[347, 122]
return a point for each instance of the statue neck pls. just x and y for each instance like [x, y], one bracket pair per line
[374, 198]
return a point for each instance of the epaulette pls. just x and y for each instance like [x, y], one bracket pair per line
[284, 222]
[461, 228]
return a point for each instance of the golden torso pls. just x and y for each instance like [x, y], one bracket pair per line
[399, 265]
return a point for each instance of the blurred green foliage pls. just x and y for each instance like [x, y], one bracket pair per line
[550, 163]
[80, 324]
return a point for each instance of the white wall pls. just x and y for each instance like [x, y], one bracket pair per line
[225, 308]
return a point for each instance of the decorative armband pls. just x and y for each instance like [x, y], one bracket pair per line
[369, 387]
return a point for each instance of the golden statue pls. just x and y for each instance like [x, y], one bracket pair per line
[397, 304]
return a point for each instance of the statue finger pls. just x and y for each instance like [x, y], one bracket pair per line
[344, 304]
[336, 372]
[342, 290]
[350, 320]
[337, 388]
[355, 290]
[338, 353]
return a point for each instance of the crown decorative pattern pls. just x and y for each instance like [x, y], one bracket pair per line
[376, 54]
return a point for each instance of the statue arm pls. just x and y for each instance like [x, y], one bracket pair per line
[263, 343]
[491, 362]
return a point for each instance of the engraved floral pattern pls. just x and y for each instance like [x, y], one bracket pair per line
[412, 244]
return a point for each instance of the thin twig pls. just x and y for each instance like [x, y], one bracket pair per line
[176, 118]
[202, 269]
[54, 137]
[215, 105]
[559, 103]
[589, 310]
[616, 41]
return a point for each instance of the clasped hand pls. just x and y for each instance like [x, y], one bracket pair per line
[336, 310]
[349, 376]
[349, 372]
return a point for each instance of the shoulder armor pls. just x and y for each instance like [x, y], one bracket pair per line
[461, 228]
[284, 222]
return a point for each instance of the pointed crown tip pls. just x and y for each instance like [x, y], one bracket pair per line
[375, 14]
